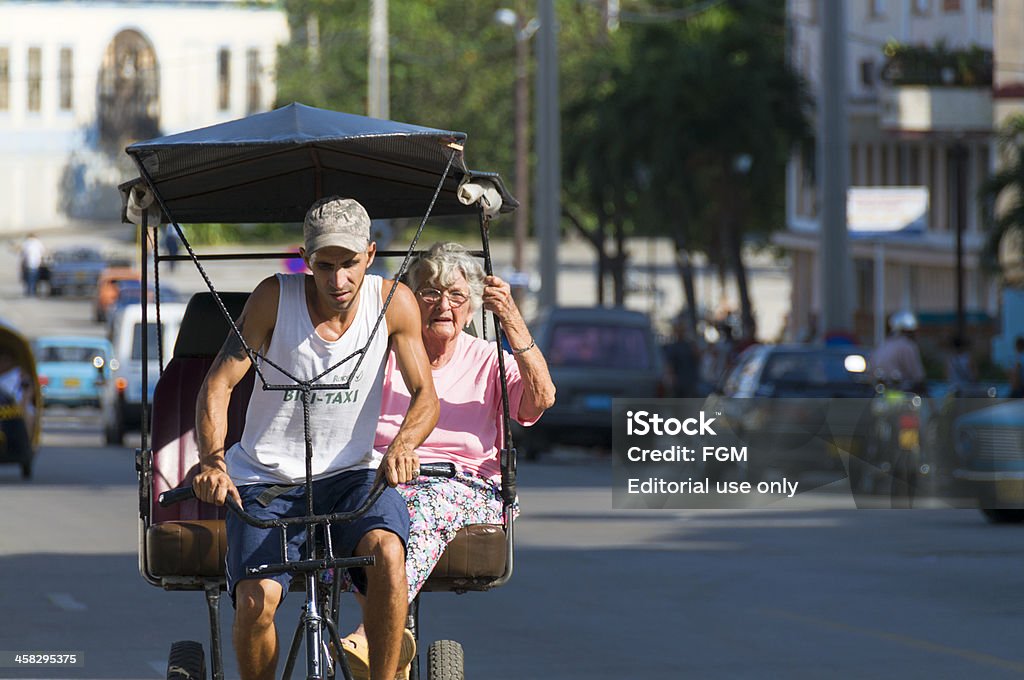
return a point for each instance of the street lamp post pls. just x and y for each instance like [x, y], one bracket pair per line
[547, 206]
[522, 139]
[524, 30]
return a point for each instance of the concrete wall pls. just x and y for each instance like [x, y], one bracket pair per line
[36, 147]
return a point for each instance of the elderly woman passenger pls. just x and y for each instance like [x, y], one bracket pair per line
[450, 286]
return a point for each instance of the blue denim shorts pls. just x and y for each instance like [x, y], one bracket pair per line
[249, 546]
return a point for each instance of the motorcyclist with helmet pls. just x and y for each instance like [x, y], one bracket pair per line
[894, 454]
[897, 359]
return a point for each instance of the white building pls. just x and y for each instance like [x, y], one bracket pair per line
[899, 136]
[79, 80]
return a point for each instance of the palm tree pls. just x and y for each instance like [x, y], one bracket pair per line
[1004, 193]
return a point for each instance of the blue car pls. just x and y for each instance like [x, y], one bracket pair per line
[989, 445]
[72, 369]
[73, 270]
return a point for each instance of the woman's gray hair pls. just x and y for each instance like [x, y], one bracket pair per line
[442, 264]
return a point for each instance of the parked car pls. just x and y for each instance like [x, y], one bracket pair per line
[73, 270]
[989, 445]
[106, 289]
[795, 407]
[595, 355]
[20, 401]
[72, 369]
[122, 396]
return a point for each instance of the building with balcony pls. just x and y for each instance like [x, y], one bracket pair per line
[920, 99]
[81, 80]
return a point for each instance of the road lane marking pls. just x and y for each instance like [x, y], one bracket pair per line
[66, 602]
[160, 667]
[905, 640]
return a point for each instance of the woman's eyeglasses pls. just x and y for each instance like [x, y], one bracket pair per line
[456, 298]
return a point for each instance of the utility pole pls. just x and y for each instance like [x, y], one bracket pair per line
[378, 100]
[548, 207]
[833, 162]
[522, 132]
[960, 192]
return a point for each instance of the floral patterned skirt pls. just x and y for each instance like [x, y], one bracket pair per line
[438, 508]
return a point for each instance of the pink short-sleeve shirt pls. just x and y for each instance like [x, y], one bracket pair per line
[468, 431]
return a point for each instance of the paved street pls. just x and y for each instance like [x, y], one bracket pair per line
[597, 593]
[821, 591]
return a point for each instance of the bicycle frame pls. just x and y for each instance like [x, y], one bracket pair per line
[319, 557]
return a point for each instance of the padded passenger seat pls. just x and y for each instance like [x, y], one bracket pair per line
[188, 540]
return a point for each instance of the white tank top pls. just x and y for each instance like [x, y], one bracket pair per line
[342, 422]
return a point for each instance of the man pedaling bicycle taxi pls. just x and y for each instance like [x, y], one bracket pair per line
[306, 324]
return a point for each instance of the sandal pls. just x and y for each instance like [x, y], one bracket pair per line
[357, 653]
[406, 654]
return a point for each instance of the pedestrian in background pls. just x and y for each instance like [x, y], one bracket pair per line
[171, 244]
[31, 260]
[683, 359]
[960, 371]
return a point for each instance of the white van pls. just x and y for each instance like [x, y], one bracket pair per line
[122, 398]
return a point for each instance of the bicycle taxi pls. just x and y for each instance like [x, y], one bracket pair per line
[270, 167]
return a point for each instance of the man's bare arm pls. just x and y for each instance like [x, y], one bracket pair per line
[403, 316]
[256, 324]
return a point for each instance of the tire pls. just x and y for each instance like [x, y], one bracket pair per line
[445, 661]
[26, 470]
[186, 661]
[1003, 516]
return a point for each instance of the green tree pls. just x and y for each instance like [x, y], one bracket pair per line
[695, 120]
[451, 67]
[1004, 190]
[655, 115]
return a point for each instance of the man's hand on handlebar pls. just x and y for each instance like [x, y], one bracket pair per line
[214, 485]
[399, 466]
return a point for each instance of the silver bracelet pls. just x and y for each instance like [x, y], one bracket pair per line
[533, 343]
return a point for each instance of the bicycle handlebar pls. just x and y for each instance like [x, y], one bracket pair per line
[184, 493]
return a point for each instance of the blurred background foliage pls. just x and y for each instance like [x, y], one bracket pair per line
[678, 122]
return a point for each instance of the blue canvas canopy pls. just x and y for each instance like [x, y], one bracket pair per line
[270, 167]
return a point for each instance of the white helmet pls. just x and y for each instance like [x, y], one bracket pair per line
[903, 322]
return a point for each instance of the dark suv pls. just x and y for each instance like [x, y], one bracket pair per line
[595, 354]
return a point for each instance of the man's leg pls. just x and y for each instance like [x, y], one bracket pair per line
[386, 600]
[254, 633]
